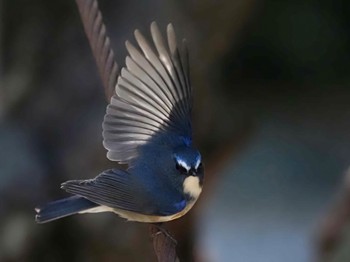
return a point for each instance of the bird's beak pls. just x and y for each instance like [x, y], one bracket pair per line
[193, 172]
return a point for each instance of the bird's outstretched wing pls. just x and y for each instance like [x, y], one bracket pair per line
[117, 189]
[153, 94]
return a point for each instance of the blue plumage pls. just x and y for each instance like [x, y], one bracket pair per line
[62, 208]
[147, 126]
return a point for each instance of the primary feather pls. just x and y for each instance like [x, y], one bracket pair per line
[152, 95]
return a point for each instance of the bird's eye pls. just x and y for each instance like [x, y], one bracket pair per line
[181, 168]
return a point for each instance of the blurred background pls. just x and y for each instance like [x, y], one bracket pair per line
[272, 119]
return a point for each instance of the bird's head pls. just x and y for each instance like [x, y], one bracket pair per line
[188, 163]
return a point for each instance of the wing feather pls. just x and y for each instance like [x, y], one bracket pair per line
[169, 66]
[152, 95]
[117, 189]
[110, 188]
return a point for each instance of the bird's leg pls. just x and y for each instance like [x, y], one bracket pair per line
[163, 230]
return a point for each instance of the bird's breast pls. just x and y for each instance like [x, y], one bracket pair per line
[191, 187]
[132, 216]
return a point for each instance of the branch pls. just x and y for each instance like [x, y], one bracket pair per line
[335, 223]
[163, 245]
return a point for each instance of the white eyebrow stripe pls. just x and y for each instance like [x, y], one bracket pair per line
[198, 161]
[183, 164]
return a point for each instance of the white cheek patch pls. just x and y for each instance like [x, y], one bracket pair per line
[198, 161]
[192, 187]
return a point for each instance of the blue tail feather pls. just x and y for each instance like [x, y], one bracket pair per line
[62, 208]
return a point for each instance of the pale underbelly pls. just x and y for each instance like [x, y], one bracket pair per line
[132, 216]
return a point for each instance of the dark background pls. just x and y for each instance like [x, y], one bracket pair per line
[271, 118]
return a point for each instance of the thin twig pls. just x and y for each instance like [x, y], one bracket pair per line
[164, 246]
[335, 223]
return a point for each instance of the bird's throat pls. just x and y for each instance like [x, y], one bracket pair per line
[192, 186]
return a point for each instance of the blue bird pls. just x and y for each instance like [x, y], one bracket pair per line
[147, 126]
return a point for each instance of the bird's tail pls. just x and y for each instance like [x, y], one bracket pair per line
[62, 208]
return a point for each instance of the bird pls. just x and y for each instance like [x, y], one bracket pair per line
[147, 126]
